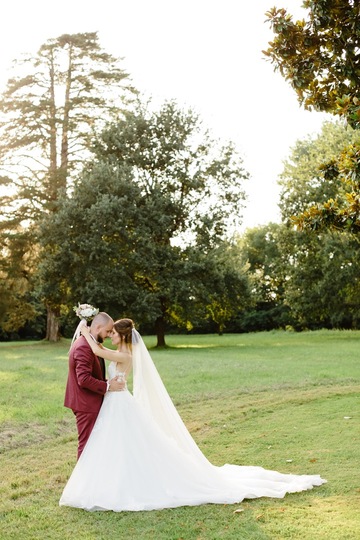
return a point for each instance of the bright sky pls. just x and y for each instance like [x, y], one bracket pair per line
[204, 53]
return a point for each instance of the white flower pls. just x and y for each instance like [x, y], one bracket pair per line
[85, 311]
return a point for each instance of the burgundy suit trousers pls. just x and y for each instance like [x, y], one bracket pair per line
[84, 422]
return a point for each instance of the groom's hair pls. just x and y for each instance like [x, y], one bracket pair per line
[101, 318]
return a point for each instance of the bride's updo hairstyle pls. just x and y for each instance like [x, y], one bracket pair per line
[124, 328]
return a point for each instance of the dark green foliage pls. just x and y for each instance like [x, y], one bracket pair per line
[324, 281]
[143, 234]
[322, 287]
[300, 280]
[320, 58]
[267, 253]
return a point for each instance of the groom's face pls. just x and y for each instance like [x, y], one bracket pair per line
[105, 331]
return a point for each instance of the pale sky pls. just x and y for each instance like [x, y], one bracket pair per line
[203, 53]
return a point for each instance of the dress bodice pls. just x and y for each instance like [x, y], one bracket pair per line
[113, 371]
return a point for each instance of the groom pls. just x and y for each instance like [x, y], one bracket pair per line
[86, 384]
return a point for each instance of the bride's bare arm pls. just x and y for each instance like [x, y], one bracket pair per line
[103, 352]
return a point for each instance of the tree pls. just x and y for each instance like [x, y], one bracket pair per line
[142, 232]
[320, 57]
[226, 283]
[323, 282]
[263, 248]
[301, 279]
[16, 303]
[302, 180]
[323, 266]
[305, 279]
[49, 112]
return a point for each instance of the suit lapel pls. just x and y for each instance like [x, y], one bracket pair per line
[101, 362]
[102, 365]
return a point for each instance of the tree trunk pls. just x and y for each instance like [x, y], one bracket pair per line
[52, 326]
[65, 125]
[160, 331]
[52, 187]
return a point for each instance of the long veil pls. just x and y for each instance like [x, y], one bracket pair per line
[149, 391]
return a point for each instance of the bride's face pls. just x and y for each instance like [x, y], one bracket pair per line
[115, 337]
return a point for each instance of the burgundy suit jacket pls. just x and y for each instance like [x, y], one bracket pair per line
[85, 386]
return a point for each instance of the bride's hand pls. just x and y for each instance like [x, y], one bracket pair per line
[84, 328]
[116, 385]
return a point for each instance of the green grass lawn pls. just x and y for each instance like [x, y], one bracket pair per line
[285, 401]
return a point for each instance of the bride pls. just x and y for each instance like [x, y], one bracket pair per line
[140, 456]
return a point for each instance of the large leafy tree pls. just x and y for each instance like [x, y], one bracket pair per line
[322, 284]
[304, 279]
[48, 113]
[143, 233]
[320, 58]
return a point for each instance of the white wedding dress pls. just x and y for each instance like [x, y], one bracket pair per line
[140, 456]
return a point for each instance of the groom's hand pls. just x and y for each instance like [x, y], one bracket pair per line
[115, 385]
